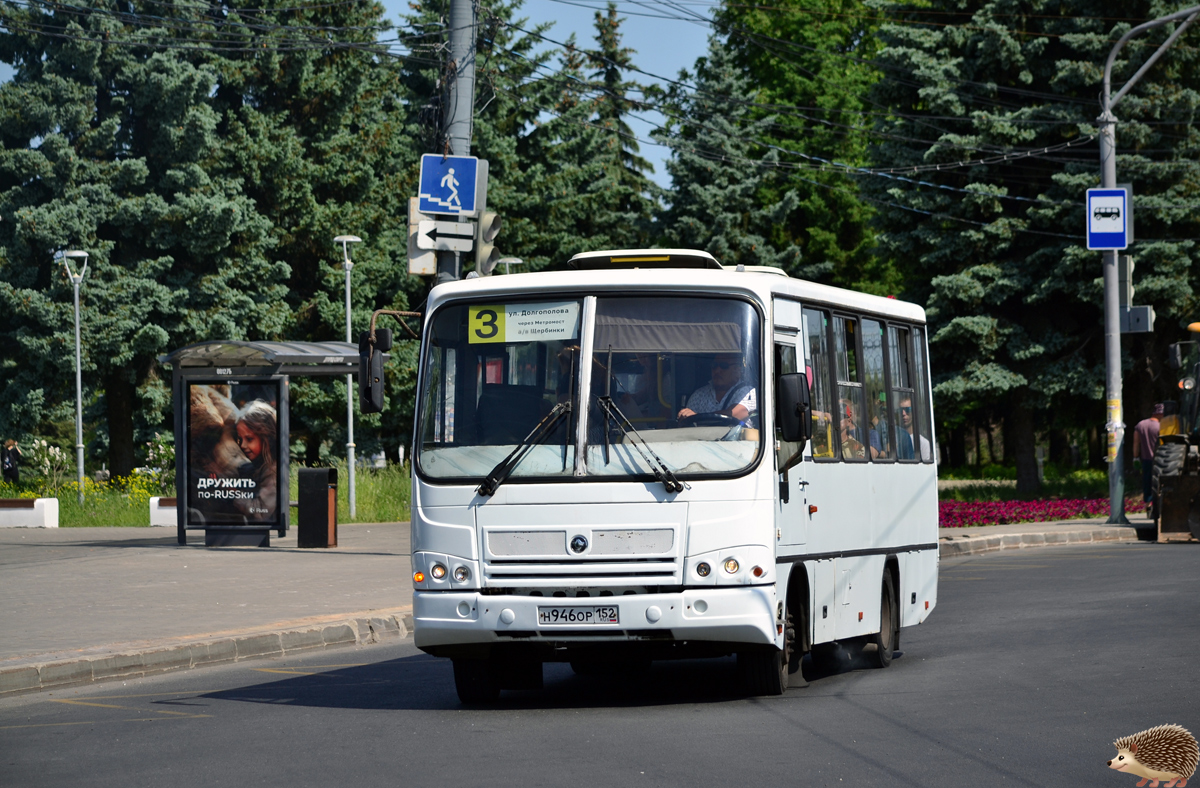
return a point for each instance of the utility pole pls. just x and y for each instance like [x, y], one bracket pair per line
[1112, 324]
[460, 107]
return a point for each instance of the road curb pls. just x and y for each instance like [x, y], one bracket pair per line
[950, 547]
[49, 671]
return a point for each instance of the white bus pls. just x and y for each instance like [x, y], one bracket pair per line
[648, 456]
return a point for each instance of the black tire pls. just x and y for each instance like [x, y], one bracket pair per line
[475, 681]
[1168, 461]
[764, 670]
[889, 625]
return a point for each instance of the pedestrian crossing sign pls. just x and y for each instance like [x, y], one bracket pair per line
[448, 184]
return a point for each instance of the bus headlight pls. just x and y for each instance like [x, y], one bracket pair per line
[731, 565]
[461, 574]
[703, 569]
[438, 571]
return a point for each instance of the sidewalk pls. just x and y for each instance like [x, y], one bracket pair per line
[83, 604]
[89, 604]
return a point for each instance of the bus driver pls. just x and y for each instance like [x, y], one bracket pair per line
[726, 394]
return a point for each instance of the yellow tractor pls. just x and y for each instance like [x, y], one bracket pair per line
[1176, 473]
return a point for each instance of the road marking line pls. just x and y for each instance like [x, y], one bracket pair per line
[86, 703]
[164, 719]
[44, 725]
[288, 672]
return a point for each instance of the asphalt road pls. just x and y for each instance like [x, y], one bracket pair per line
[1032, 664]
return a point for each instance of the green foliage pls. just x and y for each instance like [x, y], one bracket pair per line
[722, 178]
[995, 251]
[808, 69]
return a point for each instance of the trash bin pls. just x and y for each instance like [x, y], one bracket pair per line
[316, 513]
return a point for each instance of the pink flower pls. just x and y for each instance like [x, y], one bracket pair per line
[961, 514]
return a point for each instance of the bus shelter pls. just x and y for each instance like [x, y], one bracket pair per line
[231, 433]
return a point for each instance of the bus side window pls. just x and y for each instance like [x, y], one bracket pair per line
[851, 410]
[921, 404]
[880, 428]
[900, 369]
[788, 453]
[816, 368]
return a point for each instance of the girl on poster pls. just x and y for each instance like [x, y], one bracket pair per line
[257, 431]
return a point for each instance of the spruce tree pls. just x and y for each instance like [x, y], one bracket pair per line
[725, 183]
[994, 247]
[809, 68]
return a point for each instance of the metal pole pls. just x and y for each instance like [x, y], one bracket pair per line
[1115, 425]
[349, 399]
[460, 104]
[76, 280]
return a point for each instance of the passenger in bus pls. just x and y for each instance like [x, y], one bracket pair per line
[726, 393]
[907, 425]
[879, 436]
[852, 446]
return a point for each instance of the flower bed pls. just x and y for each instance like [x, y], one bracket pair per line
[961, 514]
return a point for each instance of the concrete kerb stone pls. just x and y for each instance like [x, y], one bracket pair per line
[154, 659]
[968, 545]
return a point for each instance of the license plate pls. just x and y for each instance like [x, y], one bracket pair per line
[578, 615]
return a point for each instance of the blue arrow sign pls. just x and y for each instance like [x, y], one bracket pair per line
[1107, 219]
[448, 184]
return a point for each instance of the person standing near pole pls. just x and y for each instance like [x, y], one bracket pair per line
[1145, 441]
[10, 458]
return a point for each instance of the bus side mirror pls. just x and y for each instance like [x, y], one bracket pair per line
[1175, 356]
[793, 412]
[370, 368]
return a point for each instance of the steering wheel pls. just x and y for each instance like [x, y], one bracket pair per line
[708, 420]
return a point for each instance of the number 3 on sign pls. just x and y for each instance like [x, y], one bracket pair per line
[485, 324]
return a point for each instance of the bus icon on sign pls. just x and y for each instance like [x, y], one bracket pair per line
[1106, 212]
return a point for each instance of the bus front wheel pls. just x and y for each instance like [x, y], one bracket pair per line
[476, 681]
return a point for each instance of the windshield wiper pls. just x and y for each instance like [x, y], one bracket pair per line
[660, 469]
[539, 433]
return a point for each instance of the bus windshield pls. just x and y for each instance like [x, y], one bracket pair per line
[671, 381]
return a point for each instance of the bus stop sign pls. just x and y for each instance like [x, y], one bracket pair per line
[1107, 219]
[448, 184]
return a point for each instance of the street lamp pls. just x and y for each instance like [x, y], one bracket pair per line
[510, 261]
[345, 241]
[1108, 180]
[76, 280]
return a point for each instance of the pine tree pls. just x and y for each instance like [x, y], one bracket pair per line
[723, 179]
[809, 68]
[115, 150]
[995, 250]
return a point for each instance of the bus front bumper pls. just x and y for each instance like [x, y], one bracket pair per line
[741, 615]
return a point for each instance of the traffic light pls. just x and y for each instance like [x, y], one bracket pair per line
[370, 368]
[486, 231]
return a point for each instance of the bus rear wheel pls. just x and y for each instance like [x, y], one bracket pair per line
[889, 624]
[475, 681]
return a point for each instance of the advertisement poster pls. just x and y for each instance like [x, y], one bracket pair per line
[232, 453]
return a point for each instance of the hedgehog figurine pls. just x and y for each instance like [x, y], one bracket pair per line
[1168, 752]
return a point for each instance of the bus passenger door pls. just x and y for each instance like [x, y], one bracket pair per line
[791, 502]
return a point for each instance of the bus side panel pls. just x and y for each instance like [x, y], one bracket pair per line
[859, 584]
[824, 614]
[920, 578]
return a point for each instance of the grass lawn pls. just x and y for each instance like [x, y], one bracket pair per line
[381, 495]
